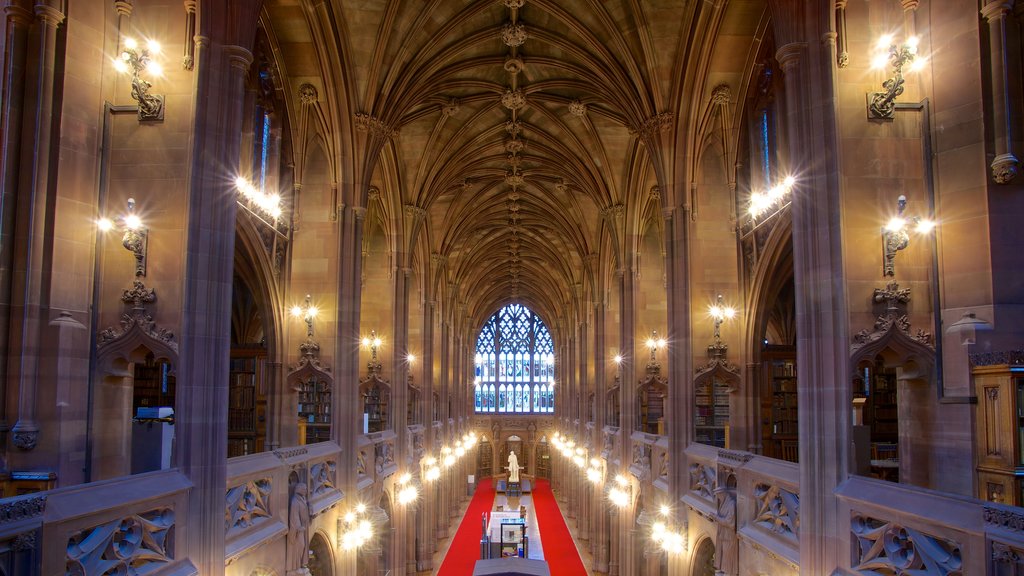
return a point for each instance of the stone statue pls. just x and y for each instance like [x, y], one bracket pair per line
[297, 557]
[726, 558]
[513, 467]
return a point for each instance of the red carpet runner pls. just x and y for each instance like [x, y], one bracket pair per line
[559, 548]
[465, 549]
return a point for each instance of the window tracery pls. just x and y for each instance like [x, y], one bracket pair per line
[515, 364]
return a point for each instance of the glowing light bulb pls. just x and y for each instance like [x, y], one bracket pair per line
[297, 311]
[153, 46]
[313, 311]
[154, 68]
[130, 43]
[105, 224]
[925, 226]
[618, 359]
[895, 224]
[120, 65]
[133, 222]
[879, 61]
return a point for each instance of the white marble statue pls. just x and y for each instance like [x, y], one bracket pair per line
[513, 467]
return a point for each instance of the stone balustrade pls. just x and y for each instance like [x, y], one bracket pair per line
[375, 457]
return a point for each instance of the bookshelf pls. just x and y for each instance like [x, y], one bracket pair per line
[314, 397]
[652, 408]
[779, 402]
[484, 458]
[247, 401]
[375, 407]
[153, 385]
[711, 417]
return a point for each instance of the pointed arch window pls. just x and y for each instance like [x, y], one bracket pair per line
[515, 363]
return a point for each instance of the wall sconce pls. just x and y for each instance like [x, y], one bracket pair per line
[595, 472]
[654, 344]
[719, 312]
[408, 493]
[775, 197]
[307, 313]
[354, 528]
[665, 536]
[621, 493]
[258, 201]
[882, 105]
[135, 238]
[895, 236]
[431, 470]
[373, 342]
[133, 60]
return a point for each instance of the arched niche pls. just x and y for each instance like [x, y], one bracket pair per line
[313, 385]
[713, 386]
[894, 403]
[375, 393]
[321, 556]
[652, 402]
[135, 355]
[704, 559]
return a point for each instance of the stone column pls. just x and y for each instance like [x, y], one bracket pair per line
[679, 412]
[202, 392]
[1005, 164]
[599, 539]
[18, 19]
[30, 293]
[427, 504]
[627, 335]
[806, 57]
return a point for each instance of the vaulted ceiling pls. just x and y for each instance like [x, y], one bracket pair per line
[521, 142]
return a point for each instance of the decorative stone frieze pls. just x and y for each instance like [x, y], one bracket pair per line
[16, 510]
[703, 480]
[246, 504]
[134, 544]
[653, 125]
[778, 510]
[881, 547]
[997, 358]
[375, 126]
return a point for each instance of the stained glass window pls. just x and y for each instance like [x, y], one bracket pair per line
[515, 364]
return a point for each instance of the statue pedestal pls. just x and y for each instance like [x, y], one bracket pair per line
[514, 490]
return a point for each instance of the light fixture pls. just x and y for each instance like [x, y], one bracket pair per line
[407, 492]
[719, 313]
[258, 201]
[896, 236]
[882, 105]
[134, 60]
[307, 313]
[354, 528]
[774, 198]
[621, 493]
[410, 358]
[618, 358]
[654, 344]
[135, 236]
[372, 342]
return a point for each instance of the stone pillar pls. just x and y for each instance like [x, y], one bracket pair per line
[679, 411]
[427, 504]
[600, 537]
[1005, 164]
[29, 297]
[202, 392]
[806, 57]
[628, 418]
[18, 19]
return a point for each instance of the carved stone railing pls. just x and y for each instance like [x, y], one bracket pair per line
[747, 500]
[261, 488]
[125, 525]
[610, 439]
[650, 454]
[901, 529]
[375, 457]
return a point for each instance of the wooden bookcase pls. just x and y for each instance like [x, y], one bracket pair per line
[999, 433]
[247, 401]
[779, 402]
[711, 417]
[153, 385]
[314, 396]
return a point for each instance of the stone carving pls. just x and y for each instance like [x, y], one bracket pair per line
[138, 296]
[25, 439]
[577, 108]
[514, 146]
[246, 504]
[361, 463]
[514, 4]
[291, 452]
[308, 94]
[514, 178]
[322, 475]
[892, 319]
[514, 127]
[1004, 518]
[881, 547]
[653, 125]
[995, 358]
[375, 126]
[513, 99]
[663, 462]
[513, 34]
[703, 480]
[513, 467]
[514, 65]
[24, 541]
[721, 95]
[134, 544]
[451, 108]
[296, 558]
[22, 509]
[1004, 168]
[1004, 554]
[778, 510]
[726, 541]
